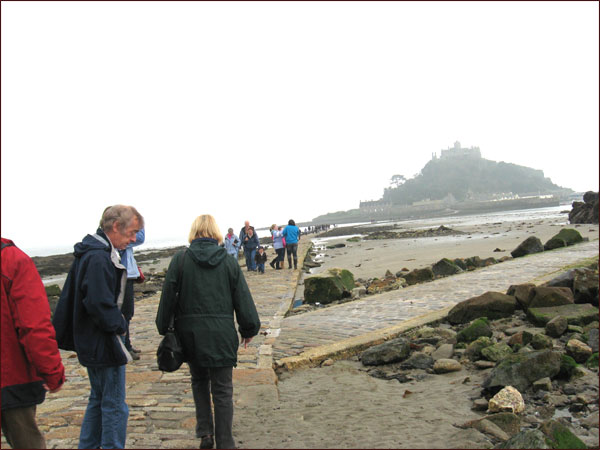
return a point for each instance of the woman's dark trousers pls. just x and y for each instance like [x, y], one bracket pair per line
[292, 250]
[218, 382]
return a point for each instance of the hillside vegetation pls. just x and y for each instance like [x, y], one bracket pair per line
[468, 178]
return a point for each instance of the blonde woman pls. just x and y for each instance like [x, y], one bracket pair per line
[213, 288]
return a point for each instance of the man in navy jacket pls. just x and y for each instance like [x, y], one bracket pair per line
[88, 319]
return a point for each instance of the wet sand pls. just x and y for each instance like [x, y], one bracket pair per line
[341, 406]
[372, 258]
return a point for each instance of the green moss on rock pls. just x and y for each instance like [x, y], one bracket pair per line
[561, 436]
[328, 286]
[477, 328]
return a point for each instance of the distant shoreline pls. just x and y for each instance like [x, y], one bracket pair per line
[59, 264]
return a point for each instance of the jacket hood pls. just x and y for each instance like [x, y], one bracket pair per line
[90, 242]
[207, 252]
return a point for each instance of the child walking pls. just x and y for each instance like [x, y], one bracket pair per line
[261, 259]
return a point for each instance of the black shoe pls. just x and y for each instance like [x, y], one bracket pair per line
[272, 264]
[207, 442]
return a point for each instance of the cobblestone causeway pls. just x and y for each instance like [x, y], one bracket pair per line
[161, 407]
[304, 331]
[161, 404]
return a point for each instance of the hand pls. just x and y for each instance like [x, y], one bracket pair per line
[246, 341]
[52, 391]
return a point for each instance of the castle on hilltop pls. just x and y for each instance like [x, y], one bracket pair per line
[458, 151]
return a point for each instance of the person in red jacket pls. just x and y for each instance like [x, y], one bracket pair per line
[31, 362]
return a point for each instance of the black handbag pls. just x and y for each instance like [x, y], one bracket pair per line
[170, 354]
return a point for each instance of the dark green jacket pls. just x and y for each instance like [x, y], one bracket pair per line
[212, 288]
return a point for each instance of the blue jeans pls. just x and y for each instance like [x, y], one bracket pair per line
[105, 420]
[250, 261]
[261, 267]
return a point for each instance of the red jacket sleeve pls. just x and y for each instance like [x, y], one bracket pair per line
[32, 321]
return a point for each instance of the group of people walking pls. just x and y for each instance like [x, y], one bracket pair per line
[285, 239]
[204, 290]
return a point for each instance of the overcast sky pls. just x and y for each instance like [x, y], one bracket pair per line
[268, 111]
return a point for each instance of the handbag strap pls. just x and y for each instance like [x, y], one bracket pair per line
[171, 325]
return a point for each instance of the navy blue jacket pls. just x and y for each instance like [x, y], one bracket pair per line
[87, 318]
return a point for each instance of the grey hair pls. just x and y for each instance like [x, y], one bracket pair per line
[123, 215]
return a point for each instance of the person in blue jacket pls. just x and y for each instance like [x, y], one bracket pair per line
[133, 273]
[88, 320]
[291, 233]
[232, 244]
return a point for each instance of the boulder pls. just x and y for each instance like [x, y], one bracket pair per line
[565, 279]
[508, 399]
[473, 262]
[543, 384]
[520, 338]
[493, 305]
[329, 286]
[520, 370]
[529, 246]
[593, 339]
[543, 297]
[52, 290]
[569, 235]
[554, 243]
[419, 276]
[489, 261]
[561, 436]
[417, 360]
[444, 267]
[53, 294]
[473, 350]
[478, 328]
[592, 361]
[391, 351]
[575, 314]
[585, 286]
[523, 293]
[460, 263]
[586, 211]
[508, 422]
[526, 439]
[385, 285]
[444, 351]
[446, 365]
[567, 367]
[496, 352]
[578, 350]
[540, 341]
[556, 327]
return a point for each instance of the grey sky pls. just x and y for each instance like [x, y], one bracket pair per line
[268, 111]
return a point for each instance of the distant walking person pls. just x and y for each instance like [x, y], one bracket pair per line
[88, 319]
[279, 246]
[261, 259]
[232, 244]
[291, 233]
[244, 231]
[31, 363]
[212, 290]
[250, 246]
[133, 273]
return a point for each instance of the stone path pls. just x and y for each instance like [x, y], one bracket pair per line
[161, 406]
[303, 332]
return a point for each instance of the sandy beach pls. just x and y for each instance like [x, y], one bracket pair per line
[371, 258]
[341, 406]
